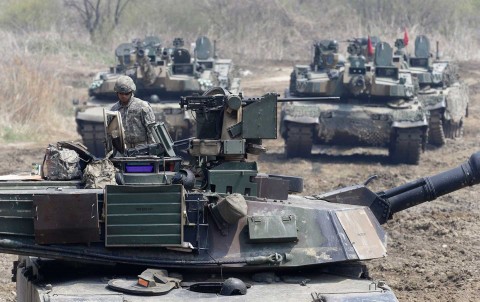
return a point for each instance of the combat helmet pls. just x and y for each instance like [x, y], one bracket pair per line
[124, 84]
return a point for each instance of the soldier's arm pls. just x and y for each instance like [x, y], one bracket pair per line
[148, 119]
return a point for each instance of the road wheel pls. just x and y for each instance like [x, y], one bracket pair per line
[436, 134]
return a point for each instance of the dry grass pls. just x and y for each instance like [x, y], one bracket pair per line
[35, 103]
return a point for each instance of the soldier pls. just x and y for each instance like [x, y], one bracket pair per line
[137, 115]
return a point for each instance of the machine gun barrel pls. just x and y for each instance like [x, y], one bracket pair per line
[430, 188]
[197, 102]
[308, 99]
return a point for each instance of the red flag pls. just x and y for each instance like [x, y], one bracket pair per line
[369, 47]
[405, 37]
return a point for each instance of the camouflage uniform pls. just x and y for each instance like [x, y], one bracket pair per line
[137, 115]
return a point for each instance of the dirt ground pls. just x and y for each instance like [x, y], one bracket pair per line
[433, 249]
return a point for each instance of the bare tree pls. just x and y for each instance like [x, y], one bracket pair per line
[98, 16]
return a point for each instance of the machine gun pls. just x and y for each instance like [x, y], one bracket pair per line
[202, 103]
[206, 103]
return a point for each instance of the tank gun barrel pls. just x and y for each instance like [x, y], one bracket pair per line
[430, 188]
[386, 203]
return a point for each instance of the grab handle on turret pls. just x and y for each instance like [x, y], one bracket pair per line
[430, 188]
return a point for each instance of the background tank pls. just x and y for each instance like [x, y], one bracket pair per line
[196, 235]
[377, 107]
[441, 91]
[161, 74]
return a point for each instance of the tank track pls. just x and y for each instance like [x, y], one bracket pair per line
[299, 140]
[436, 134]
[406, 146]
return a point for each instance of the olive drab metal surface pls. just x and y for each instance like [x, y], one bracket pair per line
[203, 48]
[260, 119]
[144, 216]
[272, 228]
[422, 47]
[383, 54]
[78, 222]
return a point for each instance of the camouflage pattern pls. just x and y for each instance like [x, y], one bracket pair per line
[98, 174]
[346, 124]
[358, 76]
[137, 116]
[61, 164]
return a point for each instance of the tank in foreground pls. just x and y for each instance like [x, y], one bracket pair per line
[216, 228]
